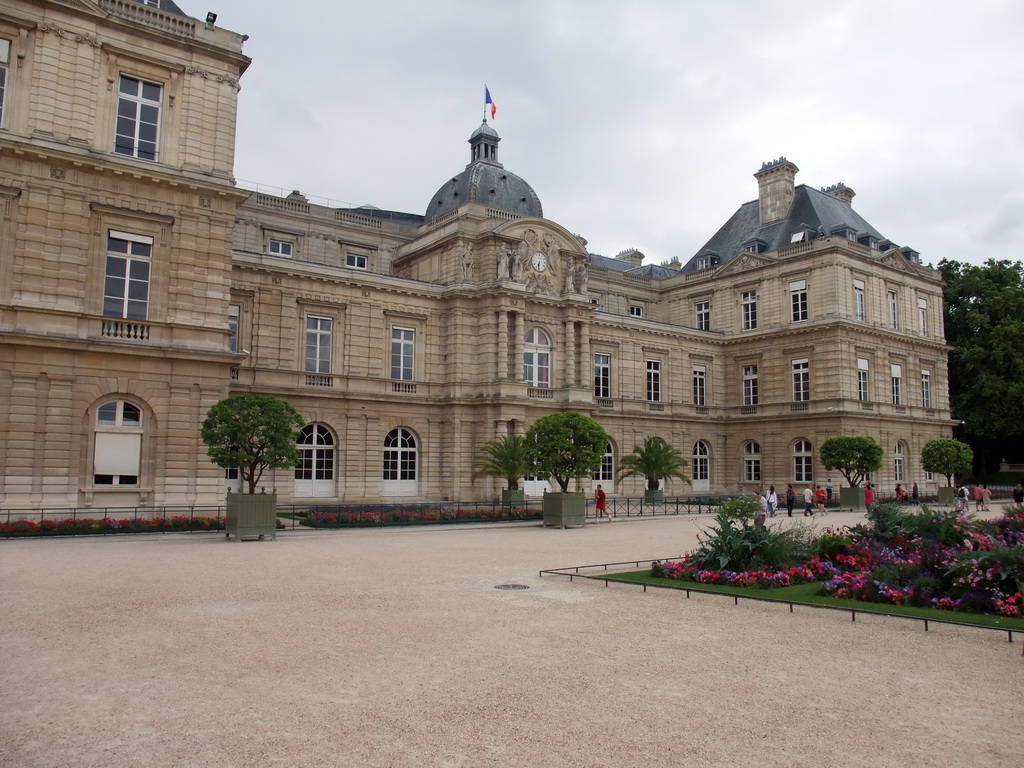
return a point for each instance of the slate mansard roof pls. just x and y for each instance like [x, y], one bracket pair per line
[817, 212]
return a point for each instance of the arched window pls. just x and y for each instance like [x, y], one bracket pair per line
[803, 462]
[117, 447]
[606, 472]
[751, 462]
[400, 462]
[899, 455]
[700, 466]
[314, 473]
[537, 358]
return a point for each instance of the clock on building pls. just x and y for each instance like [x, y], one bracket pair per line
[540, 262]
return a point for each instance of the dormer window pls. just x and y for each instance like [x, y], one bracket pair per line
[755, 246]
[798, 237]
[869, 240]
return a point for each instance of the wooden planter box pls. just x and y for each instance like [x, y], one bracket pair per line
[850, 498]
[251, 514]
[946, 495]
[513, 498]
[564, 509]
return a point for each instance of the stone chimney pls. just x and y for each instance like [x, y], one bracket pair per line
[840, 192]
[631, 255]
[775, 185]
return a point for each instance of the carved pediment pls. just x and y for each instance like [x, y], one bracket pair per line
[742, 263]
[897, 261]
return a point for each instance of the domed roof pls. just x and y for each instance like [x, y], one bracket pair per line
[485, 181]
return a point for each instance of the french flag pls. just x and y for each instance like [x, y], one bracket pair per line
[489, 101]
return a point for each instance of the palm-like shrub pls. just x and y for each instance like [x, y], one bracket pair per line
[653, 460]
[735, 542]
[505, 458]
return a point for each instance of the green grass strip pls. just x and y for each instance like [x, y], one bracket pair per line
[808, 594]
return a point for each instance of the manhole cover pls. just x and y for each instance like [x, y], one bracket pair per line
[511, 586]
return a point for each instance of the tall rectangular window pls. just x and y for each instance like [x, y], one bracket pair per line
[654, 380]
[922, 316]
[234, 312]
[602, 375]
[863, 394]
[798, 300]
[926, 389]
[897, 385]
[700, 375]
[402, 348]
[5, 60]
[126, 283]
[801, 380]
[703, 313]
[859, 312]
[894, 309]
[138, 118]
[750, 385]
[748, 310]
[319, 331]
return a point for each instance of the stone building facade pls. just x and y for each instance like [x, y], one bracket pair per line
[138, 286]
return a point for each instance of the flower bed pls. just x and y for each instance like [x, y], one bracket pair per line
[377, 516]
[89, 525]
[941, 560]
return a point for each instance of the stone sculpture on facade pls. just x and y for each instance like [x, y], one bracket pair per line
[504, 262]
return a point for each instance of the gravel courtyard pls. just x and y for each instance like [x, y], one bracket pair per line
[393, 648]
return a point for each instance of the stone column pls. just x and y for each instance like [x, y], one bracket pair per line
[517, 356]
[586, 358]
[502, 371]
[570, 354]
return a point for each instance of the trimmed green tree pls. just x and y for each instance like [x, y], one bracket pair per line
[653, 460]
[854, 457]
[565, 446]
[948, 457]
[505, 458]
[252, 433]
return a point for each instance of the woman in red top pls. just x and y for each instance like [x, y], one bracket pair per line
[602, 508]
[819, 497]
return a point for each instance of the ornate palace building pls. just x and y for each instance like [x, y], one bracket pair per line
[139, 286]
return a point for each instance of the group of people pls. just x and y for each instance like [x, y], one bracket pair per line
[814, 500]
[982, 496]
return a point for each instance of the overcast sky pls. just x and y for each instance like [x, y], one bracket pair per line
[640, 123]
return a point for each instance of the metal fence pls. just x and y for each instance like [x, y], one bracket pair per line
[73, 521]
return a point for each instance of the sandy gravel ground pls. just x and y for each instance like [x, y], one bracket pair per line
[393, 648]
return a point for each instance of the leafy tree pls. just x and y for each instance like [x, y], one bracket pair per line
[984, 317]
[252, 433]
[653, 460]
[564, 446]
[947, 457]
[506, 458]
[855, 457]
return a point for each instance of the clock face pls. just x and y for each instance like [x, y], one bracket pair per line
[540, 262]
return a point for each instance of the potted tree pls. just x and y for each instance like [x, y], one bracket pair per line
[654, 460]
[251, 433]
[505, 458]
[855, 458]
[565, 446]
[948, 457]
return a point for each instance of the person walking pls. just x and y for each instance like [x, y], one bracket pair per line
[828, 489]
[869, 498]
[808, 501]
[1018, 494]
[819, 500]
[602, 503]
[915, 496]
[790, 499]
[978, 493]
[986, 497]
[773, 501]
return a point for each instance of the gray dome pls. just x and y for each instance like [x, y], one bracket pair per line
[486, 182]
